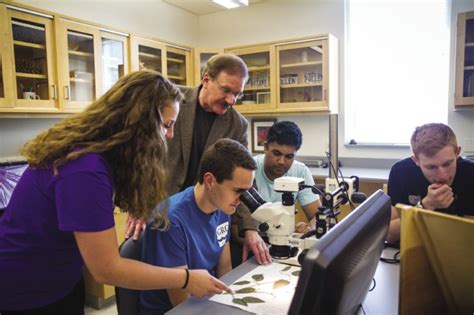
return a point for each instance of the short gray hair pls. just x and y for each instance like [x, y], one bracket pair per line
[229, 63]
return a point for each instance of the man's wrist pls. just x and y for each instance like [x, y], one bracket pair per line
[423, 204]
[244, 232]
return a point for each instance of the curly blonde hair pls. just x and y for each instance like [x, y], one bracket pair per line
[125, 127]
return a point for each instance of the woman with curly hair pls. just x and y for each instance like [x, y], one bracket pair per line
[60, 216]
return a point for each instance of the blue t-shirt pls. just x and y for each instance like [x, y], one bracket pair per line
[297, 169]
[195, 239]
[40, 262]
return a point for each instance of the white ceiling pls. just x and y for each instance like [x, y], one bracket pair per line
[201, 7]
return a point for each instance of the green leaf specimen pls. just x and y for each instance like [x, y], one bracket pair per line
[296, 273]
[251, 299]
[239, 301]
[246, 290]
[258, 277]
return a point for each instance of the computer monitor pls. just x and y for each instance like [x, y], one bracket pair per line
[337, 271]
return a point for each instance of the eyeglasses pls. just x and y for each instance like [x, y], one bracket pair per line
[227, 90]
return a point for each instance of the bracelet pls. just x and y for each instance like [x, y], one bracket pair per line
[187, 279]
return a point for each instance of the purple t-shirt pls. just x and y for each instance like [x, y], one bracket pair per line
[39, 259]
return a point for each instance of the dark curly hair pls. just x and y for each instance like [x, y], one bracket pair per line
[285, 133]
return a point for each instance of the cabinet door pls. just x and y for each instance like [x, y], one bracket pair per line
[147, 54]
[464, 94]
[303, 75]
[201, 56]
[259, 92]
[34, 80]
[114, 52]
[79, 65]
[178, 66]
[6, 61]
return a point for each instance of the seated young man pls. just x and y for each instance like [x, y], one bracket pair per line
[199, 228]
[435, 177]
[283, 141]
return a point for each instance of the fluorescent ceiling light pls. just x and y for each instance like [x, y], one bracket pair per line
[230, 4]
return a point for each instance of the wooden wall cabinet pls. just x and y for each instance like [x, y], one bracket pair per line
[90, 61]
[201, 56]
[79, 58]
[294, 76]
[173, 62]
[260, 90]
[29, 81]
[54, 65]
[115, 58]
[179, 68]
[5, 60]
[464, 89]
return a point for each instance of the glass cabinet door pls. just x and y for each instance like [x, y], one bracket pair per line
[2, 90]
[147, 54]
[35, 82]
[79, 64]
[3, 40]
[114, 59]
[5, 60]
[259, 90]
[201, 56]
[150, 58]
[177, 66]
[302, 74]
[464, 94]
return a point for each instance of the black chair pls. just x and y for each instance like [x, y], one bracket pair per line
[128, 300]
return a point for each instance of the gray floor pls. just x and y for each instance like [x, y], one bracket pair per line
[109, 310]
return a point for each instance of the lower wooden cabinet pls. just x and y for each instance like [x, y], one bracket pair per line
[100, 295]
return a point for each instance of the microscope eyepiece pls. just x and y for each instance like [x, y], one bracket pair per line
[252, 199]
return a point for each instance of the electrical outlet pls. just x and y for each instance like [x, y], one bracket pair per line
[314, 162]
[468, 145]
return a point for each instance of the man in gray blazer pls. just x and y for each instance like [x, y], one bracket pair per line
[206, 115]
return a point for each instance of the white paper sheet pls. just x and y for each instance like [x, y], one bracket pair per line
[270, 289]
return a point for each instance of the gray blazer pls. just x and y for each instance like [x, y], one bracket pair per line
[230, 125]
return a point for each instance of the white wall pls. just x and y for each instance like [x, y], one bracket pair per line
[16, 132]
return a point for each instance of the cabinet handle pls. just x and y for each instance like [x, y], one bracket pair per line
[325, 94]
[66, 92]
[55, 92]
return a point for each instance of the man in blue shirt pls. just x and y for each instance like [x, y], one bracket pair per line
[199, 228]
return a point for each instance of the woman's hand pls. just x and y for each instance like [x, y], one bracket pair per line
[134, 227]
[201, 283]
